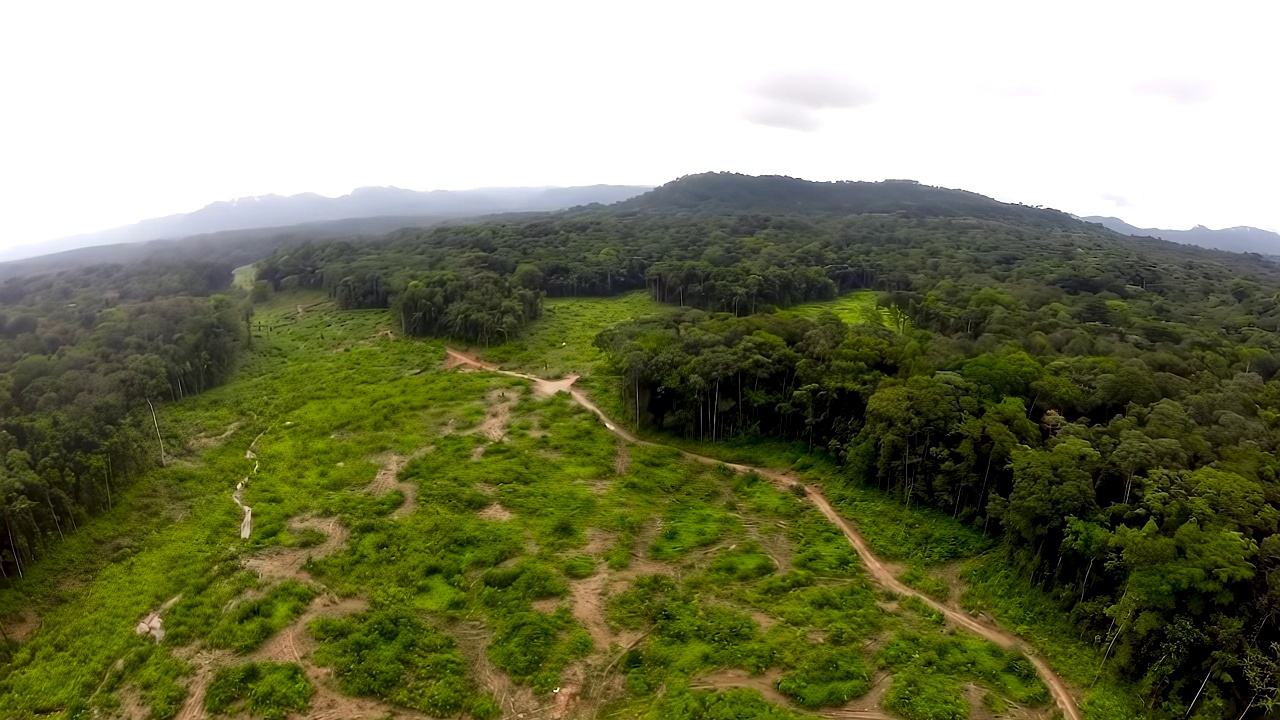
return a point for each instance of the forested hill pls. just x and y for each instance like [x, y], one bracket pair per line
[731, 192]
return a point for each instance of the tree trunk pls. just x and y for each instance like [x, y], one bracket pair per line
[13, 545]
[158, 438]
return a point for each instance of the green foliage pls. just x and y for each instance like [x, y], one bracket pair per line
[725, 705]
[533, 648]
[928, 671]
[920, 579]
[268, 690]
[394, 656]
[579, 566]
[249, 623]
[827, 676]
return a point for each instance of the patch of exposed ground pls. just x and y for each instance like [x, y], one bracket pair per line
[388, 479]
[547, 388]
[735, 678]
[598, 541]
[498, 416]
[203, 441]
[132, 707]
[496, 513]
[950, 574]
[477, 452]
[588, 607]
[546, 605]
[772, 541]
[565, 697]
[285, 563]
[622, 459]
[206, 663]
[21, 627]
[872, 700]
[294, 643]
[515, 701]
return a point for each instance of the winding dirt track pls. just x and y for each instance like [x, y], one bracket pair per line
[875, 568]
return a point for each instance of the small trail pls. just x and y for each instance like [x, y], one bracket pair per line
[879, 573]
[246, 525]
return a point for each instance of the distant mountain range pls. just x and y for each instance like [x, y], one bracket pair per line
[1241, 239]
[270, 211]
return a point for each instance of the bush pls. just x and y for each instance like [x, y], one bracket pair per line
[533, 648]
[827, 676]
[271, 690]
[580, 566]
[248, 624]
[392, 655]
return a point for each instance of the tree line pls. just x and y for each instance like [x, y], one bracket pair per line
[87, 354]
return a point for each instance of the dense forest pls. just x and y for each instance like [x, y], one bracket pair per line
[1107, 405]
[85, 356]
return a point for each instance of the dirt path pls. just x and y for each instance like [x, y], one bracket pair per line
[875, 567]
[246, 525]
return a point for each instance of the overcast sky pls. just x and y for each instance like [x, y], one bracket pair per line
[1161, 113]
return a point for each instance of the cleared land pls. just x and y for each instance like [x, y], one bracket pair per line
[432, 542]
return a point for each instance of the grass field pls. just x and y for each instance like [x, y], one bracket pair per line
[451, 543]
[562, 340]
[856, 308]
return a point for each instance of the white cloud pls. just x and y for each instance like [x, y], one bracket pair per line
[1184, 91]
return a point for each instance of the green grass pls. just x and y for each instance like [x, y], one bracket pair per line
[562, 340]
[268, 690]
[855, 308]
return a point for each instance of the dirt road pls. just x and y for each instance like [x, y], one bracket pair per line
[875, 568]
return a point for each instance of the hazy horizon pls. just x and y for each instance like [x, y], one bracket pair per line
[1158, 118]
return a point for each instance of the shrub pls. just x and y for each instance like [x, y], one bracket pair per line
[271, 690]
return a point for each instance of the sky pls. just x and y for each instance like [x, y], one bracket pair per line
[1162, 113]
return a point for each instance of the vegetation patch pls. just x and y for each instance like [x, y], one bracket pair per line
[394, 656]
[268, 690]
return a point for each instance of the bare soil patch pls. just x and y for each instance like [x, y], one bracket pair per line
[495, 512]
[598, 541]
[131, 705]
[494, 425]
[19, 628]
[203, 441]
[294, 643]
[622, 460]
[206, 662]
[588, 607]
[388, 479]
[515, 700]
[283, 563]
[734, 678]
[546, 605]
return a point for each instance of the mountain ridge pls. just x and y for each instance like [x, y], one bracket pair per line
[272, 211]
[1240, 239]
